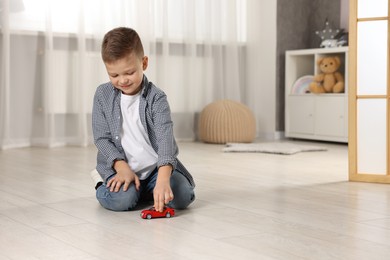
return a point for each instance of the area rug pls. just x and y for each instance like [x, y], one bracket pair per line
[285, 148]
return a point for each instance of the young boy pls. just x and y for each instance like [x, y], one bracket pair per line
[133, 132]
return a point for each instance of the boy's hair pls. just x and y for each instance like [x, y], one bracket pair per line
[120, 42]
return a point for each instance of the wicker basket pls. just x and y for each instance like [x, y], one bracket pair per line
[227, 121]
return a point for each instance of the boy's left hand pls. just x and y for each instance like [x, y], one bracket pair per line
[162, 195]
[162, 192]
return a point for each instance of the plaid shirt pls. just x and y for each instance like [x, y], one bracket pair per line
[155, 116]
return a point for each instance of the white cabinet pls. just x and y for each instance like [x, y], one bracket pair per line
[301, 115]
[314, 116]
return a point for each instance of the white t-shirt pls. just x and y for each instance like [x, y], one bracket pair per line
[141, 156]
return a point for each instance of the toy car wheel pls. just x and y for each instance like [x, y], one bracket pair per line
[148, 216]
[168, 215]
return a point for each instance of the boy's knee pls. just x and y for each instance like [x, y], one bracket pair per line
[116, 205]
[182, 200]
[182, 190]
[117, 201]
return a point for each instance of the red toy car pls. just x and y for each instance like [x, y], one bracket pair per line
[153, 213]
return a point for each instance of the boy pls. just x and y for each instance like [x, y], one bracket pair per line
[133, 132]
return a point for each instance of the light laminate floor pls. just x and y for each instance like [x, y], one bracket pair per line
[249, 206]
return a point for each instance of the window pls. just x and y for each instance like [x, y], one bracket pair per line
[173, 19]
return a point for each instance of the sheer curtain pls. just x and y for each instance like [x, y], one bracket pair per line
[51, 66]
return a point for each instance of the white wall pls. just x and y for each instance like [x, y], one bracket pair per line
[344, 14]
[261, 65]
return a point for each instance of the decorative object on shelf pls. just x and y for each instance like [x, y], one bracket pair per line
[329, 80]
[301, 85]
[226, 121]
[342, 39]
[328, 36]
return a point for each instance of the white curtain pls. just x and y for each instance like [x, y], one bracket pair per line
[51, 66]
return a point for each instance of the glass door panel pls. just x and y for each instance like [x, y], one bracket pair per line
[372, 8]
[372, 58]
[372, 136]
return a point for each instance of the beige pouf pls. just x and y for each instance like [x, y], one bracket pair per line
[226, 121]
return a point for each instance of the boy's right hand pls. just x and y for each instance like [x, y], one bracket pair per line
[124, 176]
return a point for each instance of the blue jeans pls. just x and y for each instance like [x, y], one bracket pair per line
[183, 193]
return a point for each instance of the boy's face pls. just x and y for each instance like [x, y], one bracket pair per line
[126, 74]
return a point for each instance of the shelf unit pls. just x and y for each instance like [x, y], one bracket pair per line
[315, 116]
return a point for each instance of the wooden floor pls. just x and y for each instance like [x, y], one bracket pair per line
[248, 206]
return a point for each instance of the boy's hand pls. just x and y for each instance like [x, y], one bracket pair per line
[162, 192]
[124, 176]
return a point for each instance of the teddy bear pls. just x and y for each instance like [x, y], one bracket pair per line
[329, 80]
